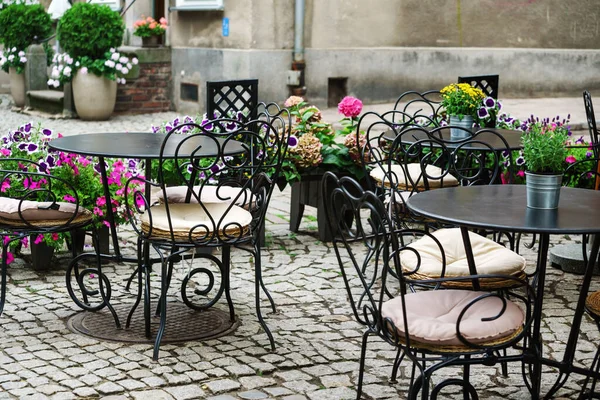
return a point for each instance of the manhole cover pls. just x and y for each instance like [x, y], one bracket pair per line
[183, 324]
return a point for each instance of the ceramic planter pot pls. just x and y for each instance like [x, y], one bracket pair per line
[17, 86]
[95, 96]
[543, 190]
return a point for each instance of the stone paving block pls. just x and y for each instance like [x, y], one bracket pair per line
[152, 395]
[186, 392]
[222, 385]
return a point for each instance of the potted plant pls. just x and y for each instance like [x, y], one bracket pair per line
[89, 34]
[82, 173]
[150, 30]
[20, 26]
[461, 101]
[544, 149]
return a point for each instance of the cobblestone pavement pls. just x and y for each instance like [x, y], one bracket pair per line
[318, 341]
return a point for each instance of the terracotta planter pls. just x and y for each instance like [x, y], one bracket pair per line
[17, 86]
[95, 96]
[151, 41]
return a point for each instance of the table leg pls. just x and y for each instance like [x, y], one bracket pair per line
[565, 366]
[110, 216]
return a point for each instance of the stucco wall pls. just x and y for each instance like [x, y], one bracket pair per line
[454, 23]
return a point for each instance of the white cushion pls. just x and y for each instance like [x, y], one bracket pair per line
[35, 210]
[186, 216]
[208, 194]
[490, 257]
[432, 316]
[413, 172]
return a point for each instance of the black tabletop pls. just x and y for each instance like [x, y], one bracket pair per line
[512, 137]
[503, 207]
[138, 145]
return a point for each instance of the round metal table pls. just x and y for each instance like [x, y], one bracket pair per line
[503, 208]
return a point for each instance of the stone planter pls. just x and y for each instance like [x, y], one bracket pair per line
[151, 41]
[17, 86]
[94, 96]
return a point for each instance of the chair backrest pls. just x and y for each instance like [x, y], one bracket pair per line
[591, 120]
[33, 203]
[487, 83]
[226, 98]
[228, 175]
[425, 107]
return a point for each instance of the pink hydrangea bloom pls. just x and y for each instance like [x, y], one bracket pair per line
[350, 107]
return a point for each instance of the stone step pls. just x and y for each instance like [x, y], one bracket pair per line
[50, 101]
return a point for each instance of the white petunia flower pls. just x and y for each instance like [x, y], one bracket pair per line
[67, 71]
[123, 60]
[115, 56]
[124, 71]
[112, 49]
[83, 70]
[134, 61]
[129, 66]
[118, 67]
[23, 59]
[11, 57]
[109, 63]
[21, 53]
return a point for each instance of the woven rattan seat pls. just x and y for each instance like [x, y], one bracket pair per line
[592, 304]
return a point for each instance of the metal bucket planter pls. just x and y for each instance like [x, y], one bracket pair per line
[466, 123]
[543, 190]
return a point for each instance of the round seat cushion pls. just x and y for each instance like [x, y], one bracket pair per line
[225, 219]
[207, 194]
[404, 175]
[490, 257]
[432, 317]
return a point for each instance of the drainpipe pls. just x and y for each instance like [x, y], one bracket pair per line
[297, 86]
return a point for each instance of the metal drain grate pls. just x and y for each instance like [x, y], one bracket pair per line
[183, 324]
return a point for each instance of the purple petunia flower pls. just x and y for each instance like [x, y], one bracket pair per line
[483, 112]
[51, 160]
[589, 154]
[43, 167]
[208, 126]
[292, 141]
[580, 140]
[176, 122]
[27, 127]
[520, 160]
[489, 102]
[46, 132]
[155, 129]
[188, 120]
[168, 128]
[215, 168]
[230, 126]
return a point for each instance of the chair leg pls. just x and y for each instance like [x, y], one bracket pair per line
[4, 268]
[101, 280]
[139, 272]
[397, 362]
[361, 368]
[162, 306]
[226, 276]
[466, 376]
[258, 264]
[596, 369]
[257, 286]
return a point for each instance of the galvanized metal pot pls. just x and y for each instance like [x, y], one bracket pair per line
[543, 190]
[466, 123]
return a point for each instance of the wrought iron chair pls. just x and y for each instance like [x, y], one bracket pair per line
[487, 83]
[370, 253]
[36, 210]
[226, 98]
[229, 177]
[424, 108]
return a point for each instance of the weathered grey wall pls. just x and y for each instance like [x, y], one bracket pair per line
[384, 47]
[454, 23]
[199, 65]
[381, 74]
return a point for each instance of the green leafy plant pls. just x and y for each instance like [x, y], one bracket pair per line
[461, 99]
[315, 147]
[90, 30]
[544, 146]
[23, 24]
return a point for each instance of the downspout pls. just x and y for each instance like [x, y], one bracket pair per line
[298, 64]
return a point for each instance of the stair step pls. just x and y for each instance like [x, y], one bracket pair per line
[51, 101]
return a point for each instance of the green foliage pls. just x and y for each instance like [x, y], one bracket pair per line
[544, 147]
[90, 30]
[24, 24]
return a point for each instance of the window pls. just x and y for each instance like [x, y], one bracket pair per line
[197, 5]
[113, 4]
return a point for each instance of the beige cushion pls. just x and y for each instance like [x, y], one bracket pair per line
[414, 171]
[490, 257]
[209, 194]
[186, 216]
[432, 316]
[34, 210]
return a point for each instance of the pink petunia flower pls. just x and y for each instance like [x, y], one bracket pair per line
[69, 198]
[571, 160]
[39, 239]
[5, 186]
